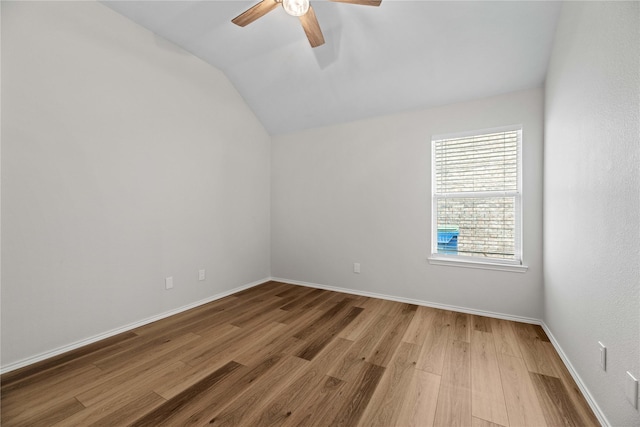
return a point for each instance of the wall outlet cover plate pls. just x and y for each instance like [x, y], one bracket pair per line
[631, 389]
[603, 356]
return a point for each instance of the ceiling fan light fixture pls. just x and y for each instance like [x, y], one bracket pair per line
[295, 7]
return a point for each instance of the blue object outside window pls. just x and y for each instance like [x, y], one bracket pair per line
[448, 240]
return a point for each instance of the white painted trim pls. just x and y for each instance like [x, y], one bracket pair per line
[500, 129]
[413, 301]
[583, 388]
[457, 261]
[585, 391]
[60, 350]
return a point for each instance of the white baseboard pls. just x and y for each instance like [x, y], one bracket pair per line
[585, 392]
[60, 350]
[414, 301]
[55, 352]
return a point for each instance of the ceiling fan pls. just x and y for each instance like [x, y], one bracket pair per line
[299, 8]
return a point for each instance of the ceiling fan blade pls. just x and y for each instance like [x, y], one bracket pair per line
[312, 28]
[362, 2]
[255, 12]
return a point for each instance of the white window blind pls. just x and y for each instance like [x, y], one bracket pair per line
[476, 195]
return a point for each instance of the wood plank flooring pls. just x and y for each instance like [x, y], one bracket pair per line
[284, 355]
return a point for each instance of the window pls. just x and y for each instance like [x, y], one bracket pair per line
[476, 179]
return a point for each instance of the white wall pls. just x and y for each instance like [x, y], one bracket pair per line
[592, 197]
[361, 192]
[124, 160]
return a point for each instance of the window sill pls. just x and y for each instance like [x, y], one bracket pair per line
[435, 260]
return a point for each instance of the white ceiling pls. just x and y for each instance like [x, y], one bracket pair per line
[400, 56]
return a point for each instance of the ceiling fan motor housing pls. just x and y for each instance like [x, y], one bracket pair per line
[296, 7]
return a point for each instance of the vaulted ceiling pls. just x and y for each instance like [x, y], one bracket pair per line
[400, 56]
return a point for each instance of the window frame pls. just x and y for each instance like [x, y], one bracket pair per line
[515, 265]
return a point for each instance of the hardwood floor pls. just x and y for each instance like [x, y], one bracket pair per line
[285, 355]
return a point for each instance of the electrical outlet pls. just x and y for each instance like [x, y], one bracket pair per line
[201, 274]
[631, 389]
[168, 282]
[356, 267]
[603, 356]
